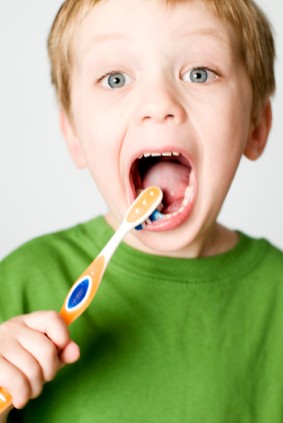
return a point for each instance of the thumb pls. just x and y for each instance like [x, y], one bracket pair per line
[70, 353]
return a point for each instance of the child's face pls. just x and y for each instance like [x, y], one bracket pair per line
[150, 78]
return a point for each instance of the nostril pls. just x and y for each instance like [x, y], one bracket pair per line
[161, 117]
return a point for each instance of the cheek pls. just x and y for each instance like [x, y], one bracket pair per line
[101, 146]
[100, 131]
[224, 132]
[225, 125]
[96, 136]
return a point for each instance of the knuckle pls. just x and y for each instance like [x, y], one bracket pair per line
[8, 327]
[35, 378]
[53, 315]
[21, 384]
[50, 352]
[57, 328]
[11, 329]
[51, 362]
[34, 373]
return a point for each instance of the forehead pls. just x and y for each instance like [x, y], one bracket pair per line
[140, 20]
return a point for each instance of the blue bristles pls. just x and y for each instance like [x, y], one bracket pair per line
[156, 215]
[139, 227]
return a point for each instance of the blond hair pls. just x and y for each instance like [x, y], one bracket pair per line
[257, 44]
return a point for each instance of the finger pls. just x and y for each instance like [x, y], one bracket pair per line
[38, 345]
[43, 350]
[28, 365]
[70, 353]
[15, 382]
[51, 324]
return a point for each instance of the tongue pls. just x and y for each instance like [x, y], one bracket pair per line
[173, 179]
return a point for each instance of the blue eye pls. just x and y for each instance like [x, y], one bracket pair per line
[115, 80]
[199, 76]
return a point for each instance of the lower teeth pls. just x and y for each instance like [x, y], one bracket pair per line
[157, 215]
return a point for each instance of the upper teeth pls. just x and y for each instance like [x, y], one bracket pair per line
[165, 153]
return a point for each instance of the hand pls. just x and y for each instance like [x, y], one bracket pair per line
[33, 347]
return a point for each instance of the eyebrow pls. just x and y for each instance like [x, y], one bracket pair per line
[100, 38]
[108, 36]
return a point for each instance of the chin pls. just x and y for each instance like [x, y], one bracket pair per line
[177, 242]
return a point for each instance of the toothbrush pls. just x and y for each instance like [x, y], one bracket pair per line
[85, 288]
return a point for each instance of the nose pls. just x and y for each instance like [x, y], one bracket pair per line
[159, 103]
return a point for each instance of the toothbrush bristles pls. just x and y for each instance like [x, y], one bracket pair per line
[156, 215]
[140, 227]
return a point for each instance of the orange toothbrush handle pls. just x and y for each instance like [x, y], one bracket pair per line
[83, 291]
[5, 400]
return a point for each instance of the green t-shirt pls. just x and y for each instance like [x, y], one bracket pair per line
[165, 340]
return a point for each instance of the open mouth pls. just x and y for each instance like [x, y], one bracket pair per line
[172, 172]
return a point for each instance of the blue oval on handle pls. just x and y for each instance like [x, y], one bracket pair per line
[78, 294]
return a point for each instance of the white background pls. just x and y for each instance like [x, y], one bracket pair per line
[41, 190]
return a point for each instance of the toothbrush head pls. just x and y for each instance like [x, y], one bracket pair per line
[143, 206]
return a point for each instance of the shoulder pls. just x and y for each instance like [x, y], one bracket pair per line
[274, 257]
[261, 247]
[258, 260]
[46, 247]
[39, 271]
[268, 262]
[51, 247]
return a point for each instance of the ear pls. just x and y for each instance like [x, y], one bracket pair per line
[259, 132]
[72, 141]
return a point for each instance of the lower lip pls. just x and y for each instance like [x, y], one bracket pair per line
[167, 224]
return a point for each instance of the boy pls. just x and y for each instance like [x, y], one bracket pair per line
[186, 326]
